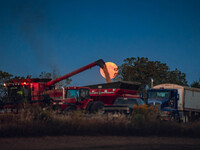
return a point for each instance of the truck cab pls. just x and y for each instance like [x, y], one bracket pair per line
[165, 101]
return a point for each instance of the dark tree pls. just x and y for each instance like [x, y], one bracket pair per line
[196, 84]
[45, 75]
[4, 77]
[142, 70]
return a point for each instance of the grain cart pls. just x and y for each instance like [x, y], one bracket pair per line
[107, 93]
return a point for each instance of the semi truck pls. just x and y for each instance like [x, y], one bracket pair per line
[175, 102]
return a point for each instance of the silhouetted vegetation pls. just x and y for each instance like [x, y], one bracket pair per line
[142, 70]
[196, 84]
[37, 122]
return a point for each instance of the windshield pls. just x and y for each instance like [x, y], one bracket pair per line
[122, 101]
[84, 93]
[159, 94]
[80, 94]
[72, 93]
[17, 93]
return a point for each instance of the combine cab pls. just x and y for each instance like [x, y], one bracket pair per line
[23, 91]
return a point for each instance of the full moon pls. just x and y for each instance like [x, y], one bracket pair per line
[112, 70]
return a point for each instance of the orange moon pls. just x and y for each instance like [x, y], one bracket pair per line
[112, 70]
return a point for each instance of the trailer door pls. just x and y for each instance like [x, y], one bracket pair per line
[192, 100]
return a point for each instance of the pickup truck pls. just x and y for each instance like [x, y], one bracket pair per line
[123, 105]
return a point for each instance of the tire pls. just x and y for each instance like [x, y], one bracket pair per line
[89, 107]
[185, 118]
[97, 108]
[57, 109]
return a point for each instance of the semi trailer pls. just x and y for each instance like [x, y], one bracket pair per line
[175, 102]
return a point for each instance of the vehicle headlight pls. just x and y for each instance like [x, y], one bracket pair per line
[128, 110]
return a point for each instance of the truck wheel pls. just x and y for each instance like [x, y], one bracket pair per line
[177, 118]
[57, 109]
[185, 118]
[97, 107]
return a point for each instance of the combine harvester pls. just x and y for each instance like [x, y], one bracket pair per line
[43, 92]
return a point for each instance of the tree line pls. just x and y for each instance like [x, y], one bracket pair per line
[5, 77]
[139, 69]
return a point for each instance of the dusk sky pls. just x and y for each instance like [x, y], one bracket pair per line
[42, 35]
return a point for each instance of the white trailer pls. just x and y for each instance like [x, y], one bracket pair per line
[189, 100]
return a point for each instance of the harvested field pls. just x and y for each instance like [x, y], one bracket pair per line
[99, 142]
[38, 123]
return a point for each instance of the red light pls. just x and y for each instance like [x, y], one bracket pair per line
[4, 85]
[24, 83]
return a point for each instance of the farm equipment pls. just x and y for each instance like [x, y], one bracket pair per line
[43, 91]
[93, 98]
[108, 93]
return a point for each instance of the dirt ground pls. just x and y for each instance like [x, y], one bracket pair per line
[99, 142]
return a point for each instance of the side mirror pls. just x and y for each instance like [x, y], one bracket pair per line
[141, 95]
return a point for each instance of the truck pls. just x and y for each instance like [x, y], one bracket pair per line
[175, 102]
[43, 92]
[123, 105]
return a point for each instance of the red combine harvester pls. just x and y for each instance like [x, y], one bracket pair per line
[42, 92]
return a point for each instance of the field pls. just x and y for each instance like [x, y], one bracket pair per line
[38, 129]
[99, 143]
[34, 122]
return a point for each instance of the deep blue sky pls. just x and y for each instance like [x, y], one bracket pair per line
[40, 35]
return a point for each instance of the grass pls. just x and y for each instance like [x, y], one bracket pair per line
[36, 122]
